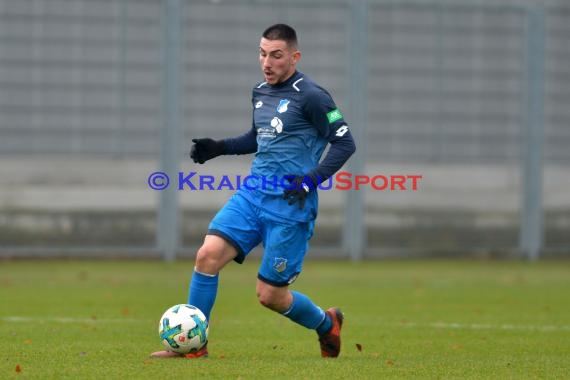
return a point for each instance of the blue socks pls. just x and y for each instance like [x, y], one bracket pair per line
[325, 325]
[203, 291]
[204, 288]
[304, 312]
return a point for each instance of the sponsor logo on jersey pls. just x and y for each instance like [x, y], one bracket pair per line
[258, 104]
[334, 115]
[282, 107]
[277, 124]
[266, 133]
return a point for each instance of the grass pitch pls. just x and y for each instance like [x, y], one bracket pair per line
[424, 320]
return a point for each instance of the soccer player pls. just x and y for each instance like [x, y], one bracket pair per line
[293, 121]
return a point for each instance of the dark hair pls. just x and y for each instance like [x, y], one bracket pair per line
[281, 32]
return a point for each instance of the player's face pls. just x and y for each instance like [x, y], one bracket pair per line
[278, 61]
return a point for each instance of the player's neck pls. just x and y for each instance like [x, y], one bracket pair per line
[286, 81]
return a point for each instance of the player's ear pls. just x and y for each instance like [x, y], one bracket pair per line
[296, 57]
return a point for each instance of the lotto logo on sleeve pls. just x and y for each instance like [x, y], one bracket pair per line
[334, 115]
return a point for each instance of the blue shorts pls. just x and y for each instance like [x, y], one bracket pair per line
[285, 242]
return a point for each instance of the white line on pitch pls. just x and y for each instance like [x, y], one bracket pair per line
[477, 326]
[437, 325]
[67, 320]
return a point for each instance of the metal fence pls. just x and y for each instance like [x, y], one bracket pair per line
[98, 94]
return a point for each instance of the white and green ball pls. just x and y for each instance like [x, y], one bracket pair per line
[183, 329]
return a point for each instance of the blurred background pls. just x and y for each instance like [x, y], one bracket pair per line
[95, 95]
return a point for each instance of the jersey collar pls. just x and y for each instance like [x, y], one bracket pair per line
[296, 75]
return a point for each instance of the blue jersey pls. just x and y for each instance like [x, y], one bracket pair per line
[292, 123]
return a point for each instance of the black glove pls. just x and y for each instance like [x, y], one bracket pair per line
[206, 149]
[299, 189]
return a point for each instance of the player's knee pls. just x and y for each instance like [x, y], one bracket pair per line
[274, 300]
[267, 301]
[207, 259]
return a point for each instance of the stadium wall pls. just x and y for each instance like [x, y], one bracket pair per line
[446, 87]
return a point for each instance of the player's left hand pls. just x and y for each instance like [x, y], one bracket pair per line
[297, 191]
[206, 149]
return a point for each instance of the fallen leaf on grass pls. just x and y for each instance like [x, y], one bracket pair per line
[18, 368]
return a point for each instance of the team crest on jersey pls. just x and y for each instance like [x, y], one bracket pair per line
[280, 264]
[282, 107]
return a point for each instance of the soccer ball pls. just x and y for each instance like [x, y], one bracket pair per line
[183, 329]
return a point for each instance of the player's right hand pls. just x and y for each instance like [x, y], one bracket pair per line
[298, 191]
[206, 149]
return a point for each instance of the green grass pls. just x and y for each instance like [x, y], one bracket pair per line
[423, 320]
